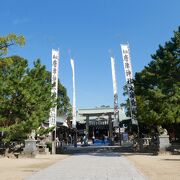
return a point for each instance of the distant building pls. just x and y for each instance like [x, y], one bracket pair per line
[98, 121]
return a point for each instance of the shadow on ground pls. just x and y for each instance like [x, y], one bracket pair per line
[171, 159]
[102, 151]
[104, 154]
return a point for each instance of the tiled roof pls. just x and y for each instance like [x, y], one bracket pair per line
[94, 113]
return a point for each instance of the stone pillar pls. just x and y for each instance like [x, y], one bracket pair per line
[53, 141]
[163, 142]
[75, 137]
[111, 138]
[87, 128]
[30, 149]
[110, 126]
[53, 147]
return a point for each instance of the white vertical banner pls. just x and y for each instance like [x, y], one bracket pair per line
[114, 75]
[129, 81]
[127, 62]
[54, 82]
[74, 95]
[116, 110]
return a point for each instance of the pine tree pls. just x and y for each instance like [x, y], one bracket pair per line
[158, 86]
[25, 97]
[64, 107]
[10, 40]
[25, 94]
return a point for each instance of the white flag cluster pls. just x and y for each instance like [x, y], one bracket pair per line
[54, 90]
[129, 80]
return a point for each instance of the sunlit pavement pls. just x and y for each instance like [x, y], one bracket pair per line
[91, 166]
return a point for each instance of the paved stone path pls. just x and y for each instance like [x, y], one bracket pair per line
[92, 166]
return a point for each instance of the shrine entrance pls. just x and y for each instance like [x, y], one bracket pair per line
[98, 122]
[99, 128]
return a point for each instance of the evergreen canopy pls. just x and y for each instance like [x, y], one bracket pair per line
[158, 85]
[25, 94]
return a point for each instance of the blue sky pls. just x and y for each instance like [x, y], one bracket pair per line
[89, 28]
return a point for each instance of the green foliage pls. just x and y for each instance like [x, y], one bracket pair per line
[25, 94]
[158, 86]
[25, 97]
[9, 40]
[44, 131]
[49, 145]
[126, 105]
[64, 107]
